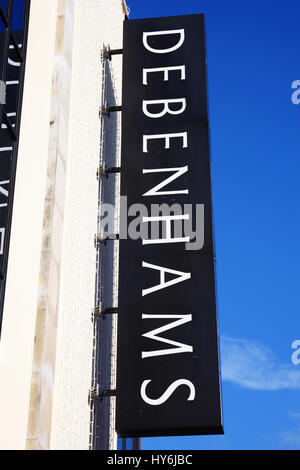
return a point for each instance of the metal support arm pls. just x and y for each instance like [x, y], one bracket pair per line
[103, 240]
[108, 53]
[106, 171]
[100, 312]
[98, 394]
[106, 110]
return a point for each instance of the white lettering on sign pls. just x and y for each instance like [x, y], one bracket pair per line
[166, 137]
[163, 33]
[12, 62]
[4, 191]
[168, 238]
[156, 109]
[2, 236]
[179, 347]
[12, 82]
[163, 284]
[156, 190]
[164, 397]
[165, 70]
[4, 126]
[166, 107]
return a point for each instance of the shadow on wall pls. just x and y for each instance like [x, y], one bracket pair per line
[106, 277]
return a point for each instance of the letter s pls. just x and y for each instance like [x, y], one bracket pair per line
[296, 354]
[164, 397]
[295, 96]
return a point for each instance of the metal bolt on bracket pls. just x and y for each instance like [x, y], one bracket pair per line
[108, 53]
[101, 312]
[106, 171]
[103, 240]
[106, 110]
[98, 394]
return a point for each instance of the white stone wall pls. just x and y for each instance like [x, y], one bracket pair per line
[95, 23]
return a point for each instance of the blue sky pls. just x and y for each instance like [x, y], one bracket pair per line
[253, 57]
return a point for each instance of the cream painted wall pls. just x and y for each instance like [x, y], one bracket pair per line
[17, 338]
[68, 333]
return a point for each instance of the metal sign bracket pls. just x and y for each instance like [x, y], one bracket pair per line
[106, 171]
[106, 110]
[108, 53]
[101, 312]
[98, 394]
[103, 240]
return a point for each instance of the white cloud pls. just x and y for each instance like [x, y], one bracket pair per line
[254, 366]
[292, 436]
[294, 414]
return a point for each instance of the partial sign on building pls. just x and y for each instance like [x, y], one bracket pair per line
[168, 380]
[13, 41]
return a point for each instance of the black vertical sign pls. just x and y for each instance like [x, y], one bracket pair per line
[167, 368]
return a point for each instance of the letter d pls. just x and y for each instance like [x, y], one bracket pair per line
[162, 33]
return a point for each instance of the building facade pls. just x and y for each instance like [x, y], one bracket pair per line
[57, 275]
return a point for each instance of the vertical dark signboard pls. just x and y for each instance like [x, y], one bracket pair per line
[14, 17]
[168, 380]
